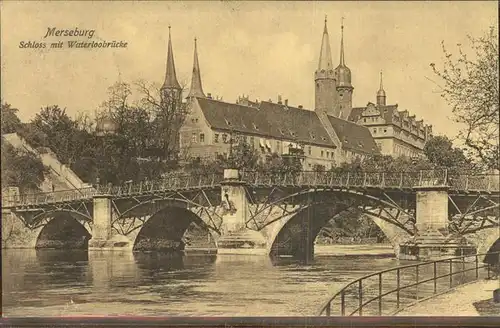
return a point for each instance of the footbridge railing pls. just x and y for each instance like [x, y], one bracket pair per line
[389, 291]
[174, 182]
[397, 180]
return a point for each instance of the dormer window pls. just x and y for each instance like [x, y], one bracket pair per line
[312, 135]
[255, 126]
[281, 131]
[227, 122]
[323, 138]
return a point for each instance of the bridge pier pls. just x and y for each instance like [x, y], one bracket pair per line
[102, 238]
[235, 237]
[432, 239]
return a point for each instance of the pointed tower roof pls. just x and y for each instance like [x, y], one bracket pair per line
[342, 71]
[325, 56]
[196, 87]
[381, 92]
[342, 60]
[170, 76]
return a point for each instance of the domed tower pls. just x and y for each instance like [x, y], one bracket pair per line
[344, 86]
[381, 100]
[171, 90]
[324, 78]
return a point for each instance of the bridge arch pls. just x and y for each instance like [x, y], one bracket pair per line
[166, 225]
[62, 230]
[286, 234]
[486, 240]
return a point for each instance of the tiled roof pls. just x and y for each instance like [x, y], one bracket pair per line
[283, 122]
[353, 136]
[386, 111]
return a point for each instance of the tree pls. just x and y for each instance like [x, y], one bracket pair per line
[10, 121]
[440, 152]
[470, 85]
[20, 169]
[167, 113]
[243, 156]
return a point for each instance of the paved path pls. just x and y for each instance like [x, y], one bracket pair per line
[475, 299]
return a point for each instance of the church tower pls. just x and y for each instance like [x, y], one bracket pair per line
[324, 78]
[381, 100]
[171, 90]
[344, 86]
[196, 88]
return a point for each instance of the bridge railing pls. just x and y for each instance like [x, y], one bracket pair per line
[48, 197]
[401, 180]
[389, 291]
[169, 183]
[165, 184]
[349, 179]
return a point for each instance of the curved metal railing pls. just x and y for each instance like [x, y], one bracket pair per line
[389, 291]
[177, 182]
[396, 180]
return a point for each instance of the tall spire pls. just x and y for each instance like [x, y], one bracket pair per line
[170, 76]
[325, 56]
[342, 61]
[196, 88]
[381, 98]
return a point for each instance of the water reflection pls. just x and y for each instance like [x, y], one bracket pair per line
[56, 282]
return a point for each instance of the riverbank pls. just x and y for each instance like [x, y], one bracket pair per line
[475, 299]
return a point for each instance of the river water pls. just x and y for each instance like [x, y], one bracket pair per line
[63, 283]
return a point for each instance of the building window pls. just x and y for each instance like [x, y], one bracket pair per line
[375, 131]
[193, 138]
[385, 130]
[216, 138]
[322, 153]
[327, 154]
[364, 120]
[309, 150]
[202, 137]
[224, 138]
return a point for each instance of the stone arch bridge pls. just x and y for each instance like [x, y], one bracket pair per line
[423, 214]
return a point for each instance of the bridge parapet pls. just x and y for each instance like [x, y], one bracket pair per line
[394, 180]
[172, 183]
[398, 180]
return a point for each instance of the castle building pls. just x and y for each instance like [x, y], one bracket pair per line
[332, 133]
[395, 132]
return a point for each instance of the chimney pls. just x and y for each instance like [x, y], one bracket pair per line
[286, 102]
[279, 100]
[300, 106]
[209, 95]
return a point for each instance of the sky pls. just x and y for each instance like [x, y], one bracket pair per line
[260, 49]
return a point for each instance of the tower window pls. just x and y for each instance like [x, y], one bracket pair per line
[193, 138]
[202, 137]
